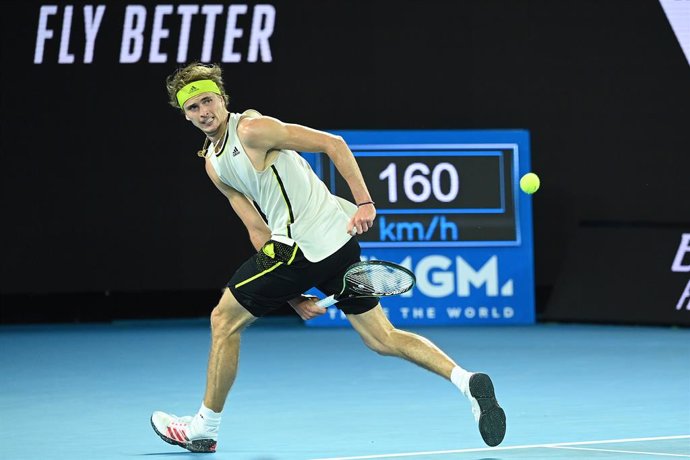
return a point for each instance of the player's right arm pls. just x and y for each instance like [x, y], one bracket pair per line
[261, 134]
[259, 233]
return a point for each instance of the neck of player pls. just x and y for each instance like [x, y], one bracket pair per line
[219, 134]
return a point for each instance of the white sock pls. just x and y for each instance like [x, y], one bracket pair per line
[461, 379]
[206, 420]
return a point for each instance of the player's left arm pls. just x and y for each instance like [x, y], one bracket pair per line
[259, 233]
[265, 134]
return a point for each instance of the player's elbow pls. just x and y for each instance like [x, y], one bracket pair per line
[334, 145]
[337, 140]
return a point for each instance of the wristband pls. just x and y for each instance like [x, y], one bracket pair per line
[366, 202]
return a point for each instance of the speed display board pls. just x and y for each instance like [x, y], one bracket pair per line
[448, 208]
[437, 195]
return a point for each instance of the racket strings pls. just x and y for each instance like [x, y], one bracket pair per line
[379, 280]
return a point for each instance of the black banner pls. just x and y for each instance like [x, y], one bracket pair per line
[638, 274]
[102, 190]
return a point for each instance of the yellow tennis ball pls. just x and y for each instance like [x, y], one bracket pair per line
[529, 183]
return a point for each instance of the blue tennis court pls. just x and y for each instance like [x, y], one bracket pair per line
[570, 391]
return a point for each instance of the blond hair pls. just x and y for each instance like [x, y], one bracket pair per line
[193, 72]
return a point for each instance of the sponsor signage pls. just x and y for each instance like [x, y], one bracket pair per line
[678, 14]
[155, 34]
[449, 209]
[681, 265]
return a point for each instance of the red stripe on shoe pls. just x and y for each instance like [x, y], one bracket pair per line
[175, 435]
[180, 435]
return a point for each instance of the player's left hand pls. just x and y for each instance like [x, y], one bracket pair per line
[306, 308]
[363, 219]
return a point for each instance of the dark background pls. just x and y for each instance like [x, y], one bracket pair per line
[107, 212]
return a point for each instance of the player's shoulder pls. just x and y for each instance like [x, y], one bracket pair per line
[253, 124]
[250, 114]
[250, 119]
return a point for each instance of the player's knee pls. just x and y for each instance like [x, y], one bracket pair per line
[219, 320]
[222, 322]
[228, 318]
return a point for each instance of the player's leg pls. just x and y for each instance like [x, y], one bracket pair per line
[228, 319]
[380, 335]
[200, 432]
[266, 281]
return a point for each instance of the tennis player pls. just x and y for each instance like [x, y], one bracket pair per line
[306, 241]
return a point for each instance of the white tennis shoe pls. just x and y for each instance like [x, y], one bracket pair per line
[184, 432]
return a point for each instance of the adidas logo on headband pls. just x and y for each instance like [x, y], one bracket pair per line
[199, 86]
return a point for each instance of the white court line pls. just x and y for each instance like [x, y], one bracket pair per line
[619, 451]
[487, 449]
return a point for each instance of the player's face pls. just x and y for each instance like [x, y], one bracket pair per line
[207, 112]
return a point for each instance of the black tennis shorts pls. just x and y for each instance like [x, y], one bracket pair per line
[279, 272]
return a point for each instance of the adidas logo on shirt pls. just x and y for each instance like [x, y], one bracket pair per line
[235, 152]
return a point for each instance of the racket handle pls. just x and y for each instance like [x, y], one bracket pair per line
[327, 302]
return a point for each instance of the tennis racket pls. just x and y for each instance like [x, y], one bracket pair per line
[372, 278]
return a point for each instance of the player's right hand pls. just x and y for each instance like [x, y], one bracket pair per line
[306, 307]
[362, 220]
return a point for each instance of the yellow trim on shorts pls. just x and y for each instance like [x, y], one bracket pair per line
[294, 253]
[292, 258]
[258, 275]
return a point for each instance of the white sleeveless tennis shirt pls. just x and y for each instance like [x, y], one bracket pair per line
[296, 203]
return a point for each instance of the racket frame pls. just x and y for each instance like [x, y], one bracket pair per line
[335, 298]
